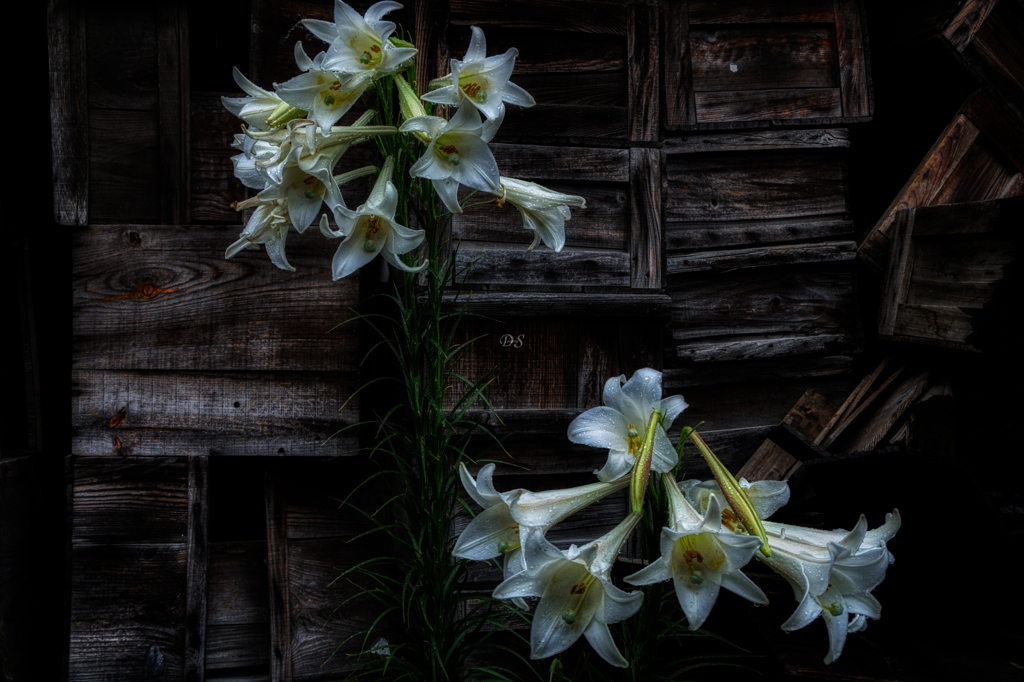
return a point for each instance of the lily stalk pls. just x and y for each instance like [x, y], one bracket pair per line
[736, 496]
[642, 469]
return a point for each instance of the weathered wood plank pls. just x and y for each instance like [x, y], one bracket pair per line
[164, 298]
[996, 122]
[710, 235]
[922, 185]
[643, 50]
[871, 433]
[762, 58]
[938, 325]
[130, 498]
[770, 347]
[771, 462]
[851, 401]
[237, 585]
[140, 582]
[69, 112]
[124, 150]
[430, 21]
[680, 108]
[807, 300]
[545, 120]
[172, 69]
[646, 256]
[979, 217]
[602, 224]
[752, 186]
[279, 581]
[752, 12]
[774, 368]
[241, 645]
[836, 431]
[214, 187]
[547, 51]
[212, 126]
[981, 175]
[545, 162]
[122, 57]
[197, 547]
[897, 275]
[591, 89]
[717, 261]
[102, 651]
[966, 21]
[543, 267]
[758, 140]
[853, 68]
[565, 15]
[223, 413]
[775, 105]
[540, 304]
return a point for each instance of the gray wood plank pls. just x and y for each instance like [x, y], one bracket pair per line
[717, 261]
[758, 140]
[643, 50]
[196, 570]
[646, 255]
[759, 105]
[717, 234]
[69, 115]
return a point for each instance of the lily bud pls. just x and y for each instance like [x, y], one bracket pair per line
[735, 495]
[410, 105]
[642, 468]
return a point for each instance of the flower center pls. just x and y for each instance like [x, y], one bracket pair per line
[314, 188]
[579, 590]
[448, 152]
[334, 96]
[635, 439]
[732, 522]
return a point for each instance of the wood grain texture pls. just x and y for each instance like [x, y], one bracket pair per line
[568, 15]
[241, 645]
[897, 275]
[643, 50]
[999, 125]
[936, 325]
[122, 65]
[279, 578]
[837, 429]
[875, 428]
[680, 108]
[214, 187]
[568, 122]
[198, 555]
[130, 499]
[746, 186]
[775, 105]
[544, 267]
[548, 162]
[771, 462]
[923, 184]
[102, 651]
[124, 170]
[587, 304]
[718, 261]
[222, 413]
[237, 584]
[992, 218]
[752, 12]
[711, 235]
[758, 140]
[763, 348]
[808, 300]
[430, 19]
[646, 256]
[164, 298]
[548, 50]
[966, 21]
[141, 582]
[173, 74]
[749, 58]
[69, 113]
[854, 81]
[983, 174]
[774, 368]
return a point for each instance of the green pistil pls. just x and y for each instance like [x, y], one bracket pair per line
[369, 246]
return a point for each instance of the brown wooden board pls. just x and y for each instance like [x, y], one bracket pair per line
[744, 64]
[978, 157]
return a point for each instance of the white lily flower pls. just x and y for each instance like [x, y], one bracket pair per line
[700, 557]
[576, 594]
[544, 211]
[833, 581]
[268, 226]
[372, 230]
[767, 497]
[620, 424]
[326, 95]
[261, 109]
[246, 165]
[359, 44]
[872, 538]
[456, 154]
[480, 81]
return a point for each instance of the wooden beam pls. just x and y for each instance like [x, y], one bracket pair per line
[175, 119]
[680, 109]
[643, 52]
[69, 112]
[197, 546]
[646, 255]
[277, 567]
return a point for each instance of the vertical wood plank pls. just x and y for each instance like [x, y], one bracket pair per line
[897, 278]
[644, 69]
[69, 513]
[172, 69]
[680, 106]
[277, 567]
[853, 74]
[69, 113]
[645, 234]
[432, 61]
[196, 570]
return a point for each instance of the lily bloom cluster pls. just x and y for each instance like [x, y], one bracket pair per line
[704, 544]
[291, 144]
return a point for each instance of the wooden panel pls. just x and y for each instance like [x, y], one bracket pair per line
[544, 162]
[852, 53]
[137, 582]
[124, 651]
[763, 58]
[805, 300]
[761, 257]
[223, 413]
[543, 267]
[602, 224]
[771, 462]
[790, 365]
[197, 548]
[680, 109]
[164, 298]
[173, 71]
[760, 105]
[982, 174]
[643, 50]
[958, 272]
[214, 187]
[122, 65]
[752, 11]
[237, 585]
[280, 650]
[763, 348]
[571, 15]
[130, 498]
[549, 52]
[243, 645]
[646, 256]
[966, 21]
[710, 235]
[753, 186]
[758, 140]
[588, 304]
[564, 121]
[124, 166]
[69, 113]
